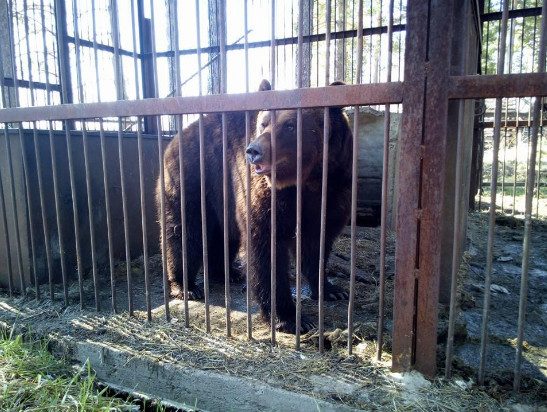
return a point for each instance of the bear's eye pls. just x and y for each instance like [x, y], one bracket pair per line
[289, 127]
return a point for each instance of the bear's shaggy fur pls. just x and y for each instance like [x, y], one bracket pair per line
[258, 153]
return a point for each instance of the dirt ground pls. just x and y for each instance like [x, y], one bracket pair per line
[504, 303]
[358, 380]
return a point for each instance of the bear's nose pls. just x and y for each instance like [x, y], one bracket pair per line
[254, 153]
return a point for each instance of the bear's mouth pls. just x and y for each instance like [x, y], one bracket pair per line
[262, 169]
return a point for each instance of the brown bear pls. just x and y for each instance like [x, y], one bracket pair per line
[258, 154]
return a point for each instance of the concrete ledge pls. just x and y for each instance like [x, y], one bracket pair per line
[199, 389]
[184, 387]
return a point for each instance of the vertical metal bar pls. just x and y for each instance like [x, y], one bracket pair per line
[143, 223]
[385, 176]
[377, 64]
[511, 36]
[2, 197]
[457, 225]
[247, 178]
[66, 96]
[515, 167]
[317, 43]
[13, 202]
[21, 142]
[65, 76]
[77, 46]
[6, 235]
[161, 174]
[203, 203]
[492, 211]
[223, 89]
[528, 208]
[344, 8]
[299, 180]
[178, 122]
[38, 163]
[88, 189]
[273, 238]
[75, 212]
[326, 134]
[69, 151]
[538, 185]
[354, 180]
[371, 14]
[504, 158]
[399, 54]
[225, 204]
[134, 29]
[48, 102]
[517, 117]
[481, 171]
[85, 143]
[106, 183]
[119, 96]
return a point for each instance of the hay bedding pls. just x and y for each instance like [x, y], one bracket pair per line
[356, 380]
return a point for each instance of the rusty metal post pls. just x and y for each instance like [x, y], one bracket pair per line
[385, 177]
[421, 181]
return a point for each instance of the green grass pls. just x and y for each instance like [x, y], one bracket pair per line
[31, 379]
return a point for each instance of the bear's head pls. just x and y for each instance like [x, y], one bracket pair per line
[285, 128]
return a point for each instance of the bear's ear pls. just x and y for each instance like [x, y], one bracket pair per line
[264, 85]
[336, 111]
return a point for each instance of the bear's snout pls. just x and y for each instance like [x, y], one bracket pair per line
[255, 153]
[258, 154]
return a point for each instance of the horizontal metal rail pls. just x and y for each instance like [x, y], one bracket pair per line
[354, 95]
[312, 38]
[511, 124]
[287, 41]
[513, 14]
[100, 46]
[501, 85]
[459, 87]
[9, 82]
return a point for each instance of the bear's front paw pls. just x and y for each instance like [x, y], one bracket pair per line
[332, 293]
[194, 292]
[289, 326]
